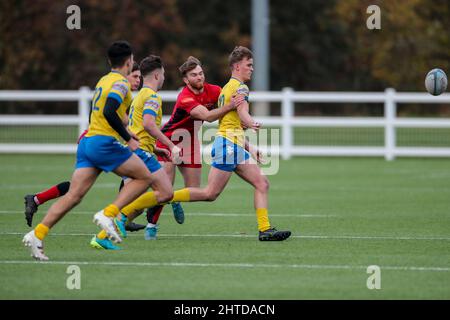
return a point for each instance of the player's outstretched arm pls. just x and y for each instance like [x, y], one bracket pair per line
[246, 119]
[202, 113]
[151, 127]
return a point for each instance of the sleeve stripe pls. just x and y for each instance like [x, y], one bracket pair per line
[150, 112]
[115, 96]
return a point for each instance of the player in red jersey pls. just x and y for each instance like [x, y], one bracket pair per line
[197, 102]
[33, 201]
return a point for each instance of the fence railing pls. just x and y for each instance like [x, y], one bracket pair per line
[287, 121]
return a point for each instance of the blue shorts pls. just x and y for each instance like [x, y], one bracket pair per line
[226, 155]
[103, 152]
[149, 159]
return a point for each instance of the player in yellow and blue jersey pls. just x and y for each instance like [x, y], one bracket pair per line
[33, 201]
[144, 121]
[102, 150]
[231, 152]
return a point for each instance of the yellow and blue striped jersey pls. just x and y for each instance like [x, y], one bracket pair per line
[146, 102]
[230, 124]
[113, 85]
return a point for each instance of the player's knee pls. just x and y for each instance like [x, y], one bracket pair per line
[74, 198]
[212, 195]
[147, 177]
[165, 196]
[262, 185]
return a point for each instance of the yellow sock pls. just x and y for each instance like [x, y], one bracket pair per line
[111, 211]
[101, 235]
[263, 219]
[41, 231]
[182, 195]
[147, 200]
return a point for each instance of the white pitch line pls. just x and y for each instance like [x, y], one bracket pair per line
[325, 237]
[226, 265]
[211, 214]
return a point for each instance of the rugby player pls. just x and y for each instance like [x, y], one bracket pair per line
[100, 150]
[197, 102]
[231, 152]
[144, 121]
[33, 201]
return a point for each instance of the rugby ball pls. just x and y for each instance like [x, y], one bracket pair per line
[436, 82]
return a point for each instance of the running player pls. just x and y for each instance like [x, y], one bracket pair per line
[197, 102]
[100, 150]
[231, 152]
[144, 121]
[33, 201]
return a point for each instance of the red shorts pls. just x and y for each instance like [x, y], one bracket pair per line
[190, 154]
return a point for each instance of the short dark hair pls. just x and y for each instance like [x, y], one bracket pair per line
[118, 53]
[149, 64]
[238, 54]
[135, 66]
[190, 64]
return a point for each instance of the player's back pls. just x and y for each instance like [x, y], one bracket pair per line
[230, 126]
[113, 85]
[146, 102]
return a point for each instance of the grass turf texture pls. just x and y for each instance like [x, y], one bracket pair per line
[310, 136]
[345, 214]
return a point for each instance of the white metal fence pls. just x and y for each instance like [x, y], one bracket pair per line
[287, 121]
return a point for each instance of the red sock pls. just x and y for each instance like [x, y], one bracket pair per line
[154, 213]
[46, 195]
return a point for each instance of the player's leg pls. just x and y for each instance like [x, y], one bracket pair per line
[129, 224]
[161, 185]
[82, 181]
[33, 201]
[217, 180]
[154, 213]
[140, 180]
[251, 173]
[192, 176]
[191, 170]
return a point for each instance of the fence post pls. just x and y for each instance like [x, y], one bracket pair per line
[83, 109]
[390, 113]
[287, 113]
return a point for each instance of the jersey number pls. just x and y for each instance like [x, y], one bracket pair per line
[97, 95]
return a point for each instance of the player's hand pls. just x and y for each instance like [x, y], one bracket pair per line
[175, 152]
[257, 155]
[133, 144]
[255, 126]
[161, 152]
[236, 100]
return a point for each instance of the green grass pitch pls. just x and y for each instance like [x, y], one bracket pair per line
[345, 214]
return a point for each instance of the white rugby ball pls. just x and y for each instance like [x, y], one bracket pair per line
[436, 82]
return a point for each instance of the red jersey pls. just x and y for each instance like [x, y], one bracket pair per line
[186, 101]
